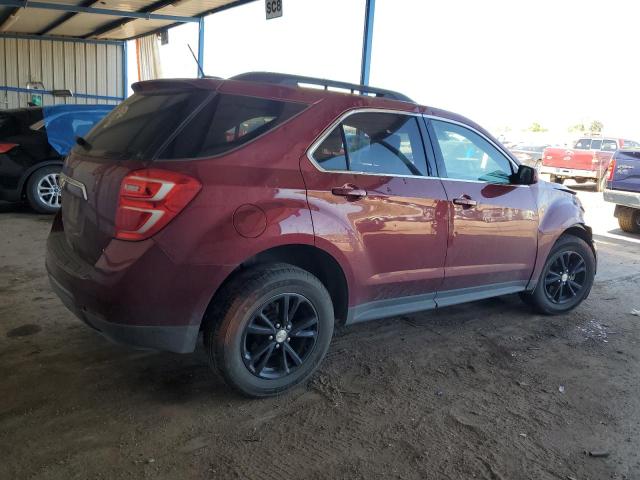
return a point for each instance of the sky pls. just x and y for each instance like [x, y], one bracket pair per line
[503, 63]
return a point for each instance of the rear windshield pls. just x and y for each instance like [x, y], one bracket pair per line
[142, 123]
[184, 125]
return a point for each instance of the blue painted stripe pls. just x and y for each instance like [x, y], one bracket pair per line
[367, 41]
[99, 11]
[125, 71]
[25, 36]
[47, 92]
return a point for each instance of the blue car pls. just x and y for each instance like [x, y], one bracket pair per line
[33, 144]
[623, 188]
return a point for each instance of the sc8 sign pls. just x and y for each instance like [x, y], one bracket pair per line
[273, 8]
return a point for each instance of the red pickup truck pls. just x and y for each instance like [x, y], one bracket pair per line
[586, 161]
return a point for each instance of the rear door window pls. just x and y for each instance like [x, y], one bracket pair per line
[609, 145]
[228, 122]
[376, 143]
[330, 154]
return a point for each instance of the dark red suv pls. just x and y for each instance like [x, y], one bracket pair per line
[262, 210]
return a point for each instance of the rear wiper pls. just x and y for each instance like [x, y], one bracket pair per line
[83, 143]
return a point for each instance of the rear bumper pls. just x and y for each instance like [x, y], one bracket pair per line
[569, 172]
[179, 339]
[620, 197]
[135, 293]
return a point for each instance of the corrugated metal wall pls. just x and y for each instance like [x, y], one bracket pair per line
[85, 68]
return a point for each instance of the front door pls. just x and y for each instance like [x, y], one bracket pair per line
[375, 207]
[494, 224]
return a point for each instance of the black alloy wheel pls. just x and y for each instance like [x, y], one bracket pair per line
[280, 336]
[565, 278]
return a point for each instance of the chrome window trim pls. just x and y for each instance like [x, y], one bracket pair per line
[327, 131]
[66, 180]
[487, 139]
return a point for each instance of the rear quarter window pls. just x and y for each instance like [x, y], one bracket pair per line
[228, 122]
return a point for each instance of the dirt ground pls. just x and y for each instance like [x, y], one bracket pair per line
[486, 390]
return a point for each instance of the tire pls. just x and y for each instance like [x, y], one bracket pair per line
[43, 190]
[570, 249]
[601, 184]
[236, 332]
[581, 180]
[629, 219]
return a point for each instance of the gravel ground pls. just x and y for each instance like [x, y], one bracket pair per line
[487, 390]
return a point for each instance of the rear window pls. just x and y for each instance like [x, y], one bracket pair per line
[227, 122]
[139, 126]
[583, 144]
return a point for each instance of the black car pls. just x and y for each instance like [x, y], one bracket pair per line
[33, 144]
[530, 155]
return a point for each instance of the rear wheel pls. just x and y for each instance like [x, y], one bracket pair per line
[629, 219]
[566, 279]
[269, 329]
[601, 183]
[43, 190]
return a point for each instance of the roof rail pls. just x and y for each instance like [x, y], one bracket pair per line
[296, 80]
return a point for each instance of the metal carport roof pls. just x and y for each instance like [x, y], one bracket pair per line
[119, 20]
[104, 19]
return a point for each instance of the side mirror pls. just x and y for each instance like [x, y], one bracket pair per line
[525, 176]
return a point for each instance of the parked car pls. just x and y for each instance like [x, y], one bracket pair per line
[33, 144]
[586, 161]
[530, 155]
[261, 213]
[623, 188]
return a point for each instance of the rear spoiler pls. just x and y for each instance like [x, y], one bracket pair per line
[173, 84]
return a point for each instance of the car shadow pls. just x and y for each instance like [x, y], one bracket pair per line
[583, 187]
[618, 238]
[15, 207]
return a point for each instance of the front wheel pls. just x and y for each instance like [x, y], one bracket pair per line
[566, 279]
[269, 329]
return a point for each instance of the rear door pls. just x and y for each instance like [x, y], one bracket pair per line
[494, 224]
[374, 203]
[125, 140]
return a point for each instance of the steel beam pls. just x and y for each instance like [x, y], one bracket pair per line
[59, 38]
[125, 72]
[201, 47]
[97, 11]
[367, 40]
[64, 18]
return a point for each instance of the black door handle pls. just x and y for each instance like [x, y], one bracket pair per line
[465, 201]
[349, 191]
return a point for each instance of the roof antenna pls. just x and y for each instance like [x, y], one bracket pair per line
[196, 60]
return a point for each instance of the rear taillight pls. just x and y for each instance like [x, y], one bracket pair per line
[611, 169]
[149, 200]
[7, 147]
